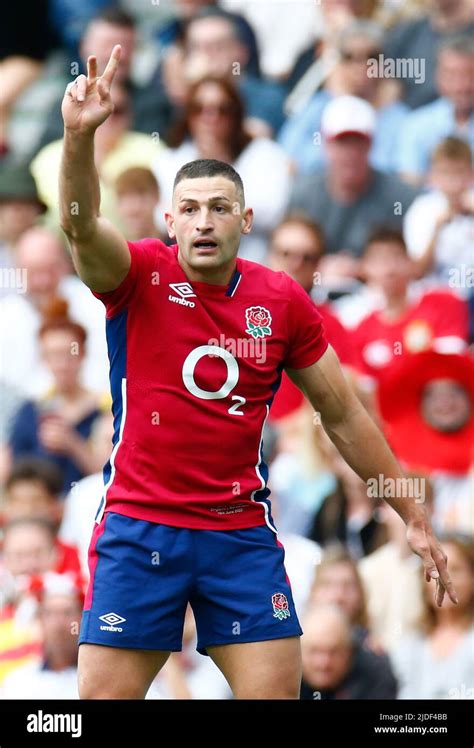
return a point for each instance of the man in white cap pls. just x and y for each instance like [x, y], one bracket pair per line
[349, 197]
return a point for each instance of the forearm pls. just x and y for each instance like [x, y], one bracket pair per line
[78, 184]
[365, 449]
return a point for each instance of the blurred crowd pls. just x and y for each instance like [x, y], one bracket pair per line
[351, 123]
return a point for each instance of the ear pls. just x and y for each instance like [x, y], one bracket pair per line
[246, 221]
[170, 225]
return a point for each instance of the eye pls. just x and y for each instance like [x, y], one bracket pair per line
[188, 210]
[219, 208]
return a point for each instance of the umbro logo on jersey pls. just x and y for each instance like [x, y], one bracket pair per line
[111, 619]
[185, 290]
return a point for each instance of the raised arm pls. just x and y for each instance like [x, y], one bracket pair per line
[363, 447]
[100, 253]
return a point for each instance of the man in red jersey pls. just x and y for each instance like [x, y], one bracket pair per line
[198, 339]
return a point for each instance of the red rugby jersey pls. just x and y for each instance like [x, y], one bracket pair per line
[194, 368]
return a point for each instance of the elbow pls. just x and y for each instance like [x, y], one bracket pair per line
[77, 231]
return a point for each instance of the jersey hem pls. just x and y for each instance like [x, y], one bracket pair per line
[188, 523]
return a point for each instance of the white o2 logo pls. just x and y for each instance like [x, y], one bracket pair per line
[232, 376]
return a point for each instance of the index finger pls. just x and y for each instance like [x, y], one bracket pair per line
[112, 65]
[445, 579]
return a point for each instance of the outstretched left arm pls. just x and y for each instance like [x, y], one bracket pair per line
[363, 447]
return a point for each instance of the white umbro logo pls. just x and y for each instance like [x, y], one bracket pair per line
[112, 619]
[185, 291]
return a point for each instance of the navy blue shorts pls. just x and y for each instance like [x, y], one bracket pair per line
[143, 575]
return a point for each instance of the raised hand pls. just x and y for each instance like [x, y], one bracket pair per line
[424, 543]
[87, 101]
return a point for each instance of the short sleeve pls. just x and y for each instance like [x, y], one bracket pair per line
[306, 338]
[142, 254]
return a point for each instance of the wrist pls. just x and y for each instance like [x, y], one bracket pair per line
[415, 514]
[79, 134]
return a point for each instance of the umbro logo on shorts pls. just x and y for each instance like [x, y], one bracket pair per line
[184, 291]
[111, 619]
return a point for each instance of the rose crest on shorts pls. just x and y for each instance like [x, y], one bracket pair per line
[258, 321]
[280, 606]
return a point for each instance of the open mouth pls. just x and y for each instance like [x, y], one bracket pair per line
[204, 243]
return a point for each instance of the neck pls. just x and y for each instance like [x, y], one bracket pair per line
[462, 115]
[146, 229]
[210, 148]
[58, 661]
[395, 305]
[448, 618]
[347, 192]
[70, 391]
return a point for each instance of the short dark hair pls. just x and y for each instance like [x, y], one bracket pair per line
[388, 234]
[302, 219]
[116, 17]
[210, 167]
[454, 149]
[35, 469]
[214, 11]
[460, 42]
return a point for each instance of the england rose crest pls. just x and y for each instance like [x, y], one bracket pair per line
[280, 606]
[258, 321]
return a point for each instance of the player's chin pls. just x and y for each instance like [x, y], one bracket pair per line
[206, 258]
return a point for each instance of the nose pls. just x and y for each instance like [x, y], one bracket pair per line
[204, 223]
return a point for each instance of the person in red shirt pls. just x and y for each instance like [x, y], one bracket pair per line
[296, 247]
[198, 339]
[436, 320]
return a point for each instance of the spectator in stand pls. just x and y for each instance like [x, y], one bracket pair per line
[431, 428]
[437, 661]
[137, 193]
[31, 548]
[337, 582]
[297, 248]
[300, 136]
[439, 226]
[437, 320]
[421, 38]
[395, 607]
[54, 676]
[335, 666]
[171, 35]
[214, 45]
[321, 57]
[212, 127]
[24, 48]
[348, 514]
[450, 114]
[32, 490]
[41, 258]
[58, 426]
[116, 148]
[82, 502]
[150, 109]
[281, 36]
[349, 196]
[20, 208]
